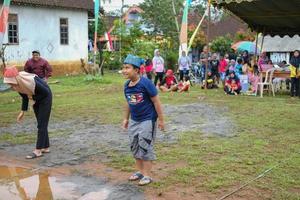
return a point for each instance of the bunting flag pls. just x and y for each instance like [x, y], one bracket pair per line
[197, 29]
[3, 20]
[184, 28]
[96, 12]
[109, 44]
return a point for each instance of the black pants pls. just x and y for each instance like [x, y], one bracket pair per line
[149, 75]
[229, 91]
[183, 73]
[159, 76]
[42, 110]
[295, 87]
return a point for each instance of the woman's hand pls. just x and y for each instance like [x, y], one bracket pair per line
[20, 117]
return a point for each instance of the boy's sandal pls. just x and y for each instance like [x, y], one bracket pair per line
[136, 176]
[33, 156]
[145, 181]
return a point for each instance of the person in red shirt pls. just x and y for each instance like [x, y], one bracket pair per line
[39, 66]
[222, 69]
[233, 84]
[169, 83]
[142, 70]
[149, 68]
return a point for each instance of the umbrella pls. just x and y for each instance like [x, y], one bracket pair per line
[246, 46]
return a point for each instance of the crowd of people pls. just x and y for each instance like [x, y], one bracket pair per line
[239, 73]
[165, 79]
[236, 73]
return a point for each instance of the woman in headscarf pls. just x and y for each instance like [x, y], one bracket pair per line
[158, 67]
[31, 87]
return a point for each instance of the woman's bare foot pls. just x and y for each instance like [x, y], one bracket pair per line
[47, 150]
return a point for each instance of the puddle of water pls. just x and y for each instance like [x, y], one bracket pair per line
[20, 184]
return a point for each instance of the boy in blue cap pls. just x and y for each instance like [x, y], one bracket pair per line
[144, 107]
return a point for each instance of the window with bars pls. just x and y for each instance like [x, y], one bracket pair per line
[64, 31]
[13, 29]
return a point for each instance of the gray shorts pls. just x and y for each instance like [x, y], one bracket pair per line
[142, 136]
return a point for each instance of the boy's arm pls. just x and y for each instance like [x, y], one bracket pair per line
[158, 108]
[126, 116]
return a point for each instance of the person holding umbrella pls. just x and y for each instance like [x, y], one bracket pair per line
[31, 87]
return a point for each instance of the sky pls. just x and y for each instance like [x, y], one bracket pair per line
[116, 4]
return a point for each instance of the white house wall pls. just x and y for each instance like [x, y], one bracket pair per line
[39, 29]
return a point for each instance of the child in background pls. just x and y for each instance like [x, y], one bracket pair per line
[185, 85]
[148, 68]
[253, 76]
[222, 69]
[231, 67]
[239, 67]
[232, 85]
[142, 68]
[210, 81]
[244, 83]
[169, 83]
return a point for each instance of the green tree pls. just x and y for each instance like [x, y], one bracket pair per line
[159, 15]
[243, 35]
[221, 44]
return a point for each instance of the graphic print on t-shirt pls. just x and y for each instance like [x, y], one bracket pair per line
[134, 99]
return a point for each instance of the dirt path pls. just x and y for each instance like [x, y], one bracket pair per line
[83, 139]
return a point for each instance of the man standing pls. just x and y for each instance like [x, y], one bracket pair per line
[205, 57]
[39, 66]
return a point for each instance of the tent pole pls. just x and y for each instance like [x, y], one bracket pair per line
[262, 42]
[256, 44]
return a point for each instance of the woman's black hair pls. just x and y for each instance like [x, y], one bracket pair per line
[255, 69]
[240, 60]
[148, 62]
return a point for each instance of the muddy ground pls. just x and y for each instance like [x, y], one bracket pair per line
[83, 140]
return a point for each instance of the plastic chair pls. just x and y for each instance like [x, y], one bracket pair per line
[267, 82]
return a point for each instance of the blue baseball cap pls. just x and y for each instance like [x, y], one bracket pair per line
[133, 60]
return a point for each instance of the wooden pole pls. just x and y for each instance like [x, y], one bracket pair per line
[256, 44]
[208, 38]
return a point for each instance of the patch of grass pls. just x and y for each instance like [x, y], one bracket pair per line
[22, 138]
[97, 79]
[123, 162]
[266, 134]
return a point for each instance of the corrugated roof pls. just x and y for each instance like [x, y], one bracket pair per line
[277, 44]
[71, 4]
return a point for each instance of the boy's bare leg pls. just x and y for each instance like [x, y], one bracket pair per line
[147, 166]
[139, 165]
